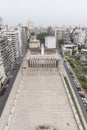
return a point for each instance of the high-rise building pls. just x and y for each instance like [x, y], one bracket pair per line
[2, 71]
[23, 35]
[62, 33]
[79, 36]
[29, 24]
[7, 55]
[58, 33]
[50, 42]
[13, 35]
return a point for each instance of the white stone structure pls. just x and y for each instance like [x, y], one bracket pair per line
[29, 24]
[50, 42]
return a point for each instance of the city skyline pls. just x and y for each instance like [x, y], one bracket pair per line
[45, 13]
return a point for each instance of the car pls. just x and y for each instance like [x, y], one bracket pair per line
[84, 100]
[82, 95]
[85, 104]
[2, 91]
[86, 110]
[80, 91]
[16, 65]
[70, 72]
[78, 88]
[78, 83]
[72, 77]
[7, 85]
[75, 82]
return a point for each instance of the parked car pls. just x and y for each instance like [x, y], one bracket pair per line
[80, 91]
[85, 104]
[78, 88]
[82, 95]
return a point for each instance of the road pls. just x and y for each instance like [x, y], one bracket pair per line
[76, 92]
[5, 95]
[74, 87]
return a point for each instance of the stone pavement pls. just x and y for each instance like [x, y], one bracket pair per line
[42, 101]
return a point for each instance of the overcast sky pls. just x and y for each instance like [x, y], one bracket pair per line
[44, 12]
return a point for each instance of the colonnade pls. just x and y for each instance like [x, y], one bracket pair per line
[35, 62]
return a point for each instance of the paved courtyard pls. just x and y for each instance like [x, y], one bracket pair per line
[42, 101]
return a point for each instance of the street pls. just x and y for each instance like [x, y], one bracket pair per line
[76, 92]
[5, 95]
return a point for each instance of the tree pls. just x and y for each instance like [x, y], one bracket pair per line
[81, 47]
[61, 41]
[77, 57]
[73, 52]
[41, 37]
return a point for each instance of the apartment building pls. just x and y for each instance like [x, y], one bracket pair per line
[7, 55]
[69, 49]
[83, 55]
[79, 36]
[58, 33]
[30, 25]
[13, 36]
[2, 71]
[25, 37]
[50, 44]
[62, 33]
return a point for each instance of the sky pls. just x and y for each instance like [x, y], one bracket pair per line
[44, 12]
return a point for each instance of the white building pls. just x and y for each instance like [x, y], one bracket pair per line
[58, 33]
[2, 72]
[83, 55]
[13, 35]
[7, 54]
[23, 35]
[30, 26]
[34, 43]
[50, 42]
[69, 48]
[79, 36]
[62, 33]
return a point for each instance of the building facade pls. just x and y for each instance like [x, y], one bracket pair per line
[50, 42]
[2, 71]
[7, 55]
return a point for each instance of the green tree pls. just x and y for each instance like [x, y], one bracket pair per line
[41, 37]
[61, 41]
[81, 47]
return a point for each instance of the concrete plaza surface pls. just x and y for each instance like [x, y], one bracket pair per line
[42, 101]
